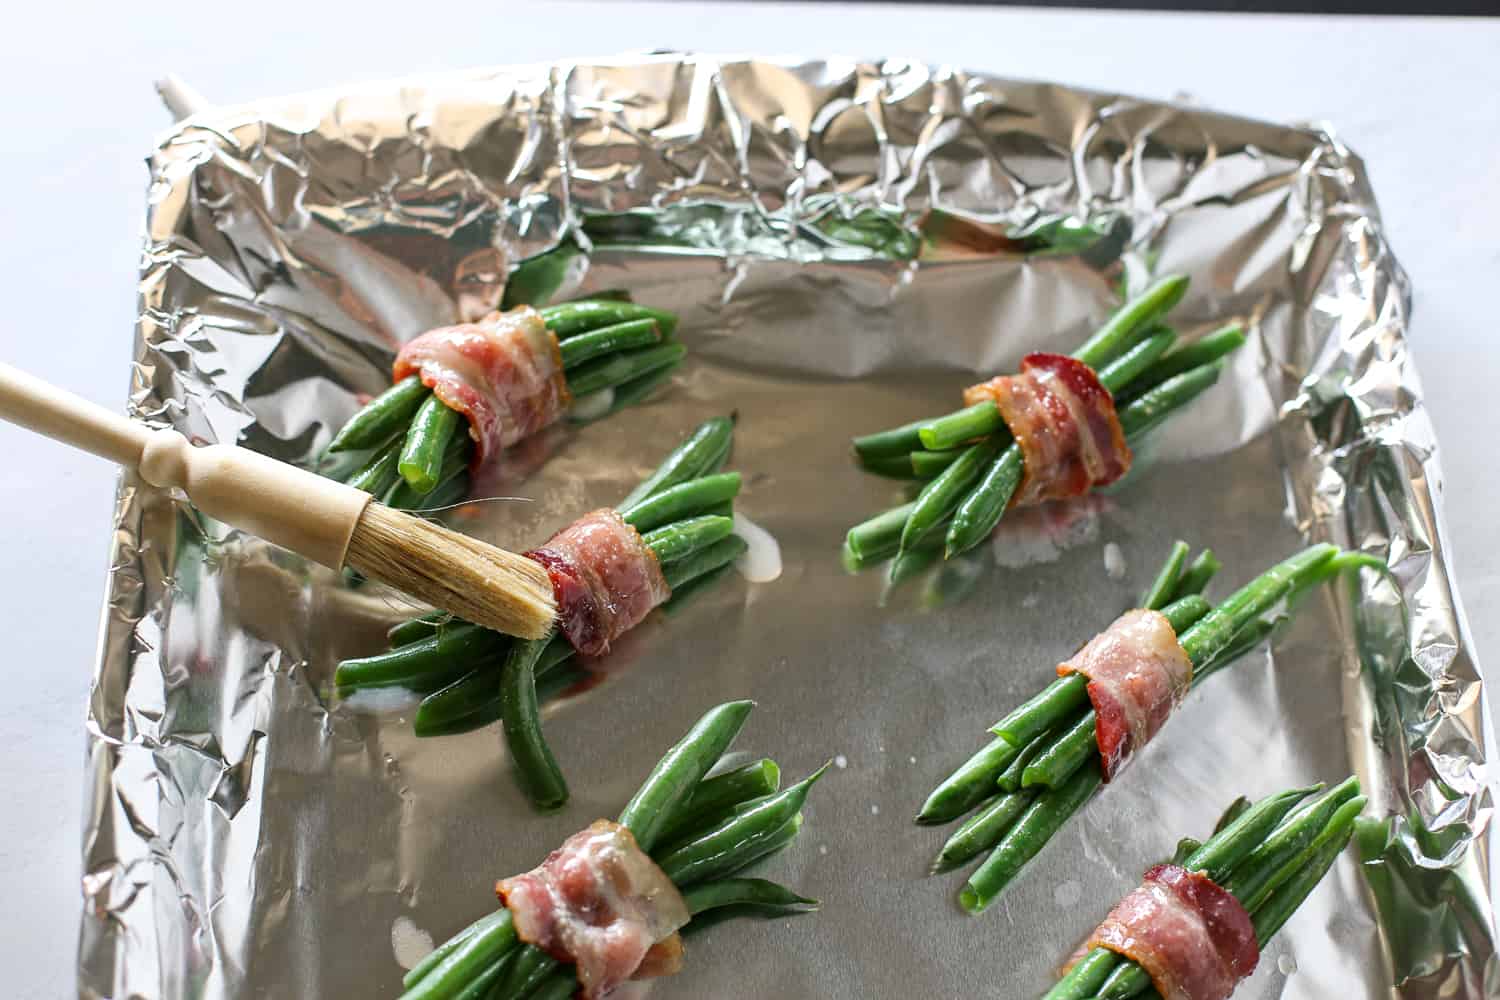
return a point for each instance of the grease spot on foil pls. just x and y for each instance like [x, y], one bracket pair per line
[1042, 534]
[761, 562]
[410, 942]
[1114, 561]
[593, 406]
[1286, 965]
[382, 701]
[823, 849]
[841, 762]
[1067, 894]
[874, 809]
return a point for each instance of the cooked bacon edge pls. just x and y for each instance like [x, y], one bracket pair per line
[1191, 936]
[1065, 422]
[601, 903]
[504, 373]
[1138, 673]
[604, 577]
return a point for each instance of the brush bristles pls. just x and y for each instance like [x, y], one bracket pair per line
[485, 585]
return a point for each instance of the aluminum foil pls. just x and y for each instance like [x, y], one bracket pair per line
[249, 835]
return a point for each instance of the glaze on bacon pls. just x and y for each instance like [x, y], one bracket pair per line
[1138, 673]
[602, 904]
[1065, 422]
[1191, 936]
[504, 373]
[604, 577]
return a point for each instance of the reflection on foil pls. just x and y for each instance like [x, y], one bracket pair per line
[844, 242]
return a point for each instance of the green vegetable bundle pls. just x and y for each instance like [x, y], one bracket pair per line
[970, 465]
[472, 676]
[1265, 855]
[701, 831]
[1043, 763]
[412, 452]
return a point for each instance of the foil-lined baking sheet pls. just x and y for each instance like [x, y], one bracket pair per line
[249, 835]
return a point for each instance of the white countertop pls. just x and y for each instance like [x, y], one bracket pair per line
[1415, 97]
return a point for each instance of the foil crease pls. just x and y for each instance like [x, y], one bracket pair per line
[249, 835]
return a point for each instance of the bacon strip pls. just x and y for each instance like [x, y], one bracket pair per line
[503, 373]
[1138, 673]
[602, 904]
[604, 577]
[1191, 936]
[1065, 422]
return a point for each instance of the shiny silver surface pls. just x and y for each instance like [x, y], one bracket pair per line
[248, 834]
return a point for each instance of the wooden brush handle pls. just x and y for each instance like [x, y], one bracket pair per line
[290, 507]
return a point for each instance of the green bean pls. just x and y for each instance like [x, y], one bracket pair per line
[894, 467]
[684, 571]
[537, 279]
[559, 986]
[455, 462]
[981, 831]
[477, 952]
[684, 500]
[1086, 976]
[569, 318]
[1236, 809]
[479, 987]
[970, 784]
[1184, 612]
[632, 392]
[1195, 579]
[1256, 876]
[533, 967]
[1060, 761]
[414, 629]
[617, 369]
[1142, 415]
[716, 796]
[1216, 629]
[379, 473]
[930, 464]
[913, 561]
[1117, 334]
[1010, 778]
[609, 340]
[881, 533]
[755, 892]
[1160, 593]
[419, 664]
[1227, 848]
[382, 417]
[422, 453]
[985, 505]
[449, 492]
[893, 443]
[1185, 848]
[942, 496]
[676, 775]
[447, 948]
[1130, 980]
[969, 424]
[474, 696]
[681, 539]
[1244, 640]
[1310, 868]
[536, 769]
[689, 460]
[1054, 703]
[718, 851]
[1206, 350]
[1042, 818]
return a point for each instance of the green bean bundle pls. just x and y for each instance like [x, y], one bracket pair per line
[973, 468]
[1046, 759]
[1268, 858]
[702, 832]
[470, 676]
[412, 451]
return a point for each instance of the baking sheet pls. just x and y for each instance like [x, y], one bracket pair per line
[248, 835]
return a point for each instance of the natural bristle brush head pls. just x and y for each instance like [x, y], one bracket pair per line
[471, 579]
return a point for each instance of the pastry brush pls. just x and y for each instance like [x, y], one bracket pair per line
[328, 522]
